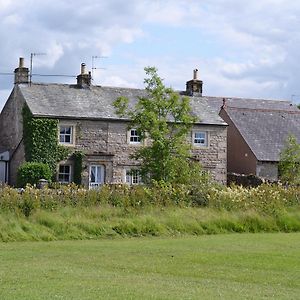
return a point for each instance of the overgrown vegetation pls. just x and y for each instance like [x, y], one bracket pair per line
[41, 140]
[165, 118]
[42, 147]
[77, 157]
[289, 165]
[160, 210]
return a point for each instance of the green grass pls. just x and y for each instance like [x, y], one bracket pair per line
[78, 223]
[235, 266]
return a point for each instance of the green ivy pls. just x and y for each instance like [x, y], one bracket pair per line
[41, 140]
[77, 156]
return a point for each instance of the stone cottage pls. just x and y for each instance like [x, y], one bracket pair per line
[87, 122]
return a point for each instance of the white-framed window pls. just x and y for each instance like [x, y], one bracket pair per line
[66, 133]
[134, 137]
[200, 138]
[133, 176]
[64, 173]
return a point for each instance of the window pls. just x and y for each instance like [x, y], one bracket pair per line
[134, 138]
[66, 134]
[133, 177]
[64, 174]
[200, 138]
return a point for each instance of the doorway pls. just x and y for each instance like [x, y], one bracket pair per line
[96, 176]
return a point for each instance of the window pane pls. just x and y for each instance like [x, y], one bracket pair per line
[67, 139]
[98, 173]
[64, 174]
[134, 137]
[65, 134]
[93, 175]
[200, 138]
[133, 177]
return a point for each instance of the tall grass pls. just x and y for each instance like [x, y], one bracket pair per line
[71, 212]
[110, 222]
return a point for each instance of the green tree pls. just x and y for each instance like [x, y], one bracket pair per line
[289, 164]
[165, 118]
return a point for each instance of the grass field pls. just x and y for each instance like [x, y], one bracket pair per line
[231, 266]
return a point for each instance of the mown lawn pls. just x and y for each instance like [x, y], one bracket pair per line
[231, 266]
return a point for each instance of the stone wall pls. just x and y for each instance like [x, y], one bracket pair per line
[213, 158]
[11, 132]
[267, 170]
[106, 143]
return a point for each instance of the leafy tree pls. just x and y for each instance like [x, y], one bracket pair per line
[289, 164]
[165, 118]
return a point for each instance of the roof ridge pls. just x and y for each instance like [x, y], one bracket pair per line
[263, 109]
[247, 98]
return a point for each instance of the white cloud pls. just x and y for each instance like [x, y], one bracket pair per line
[258, 40]
[3, 97]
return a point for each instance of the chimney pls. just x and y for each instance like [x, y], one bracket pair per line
[224, 106]
[84, 79]
[21, 73]
[194, 86]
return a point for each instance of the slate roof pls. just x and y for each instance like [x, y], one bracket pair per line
[215, 103]
[266, 130]
[69, 101]
[264, 124]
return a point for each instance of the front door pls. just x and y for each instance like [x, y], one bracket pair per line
[96, 176]
[3, 172]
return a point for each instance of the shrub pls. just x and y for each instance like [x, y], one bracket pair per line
[289, 164]
[32, 172]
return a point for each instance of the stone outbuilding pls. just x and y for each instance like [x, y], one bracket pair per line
[257, 132]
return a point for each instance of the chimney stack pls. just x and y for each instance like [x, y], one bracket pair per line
[194, 86]
[21, 73]
[84, 79]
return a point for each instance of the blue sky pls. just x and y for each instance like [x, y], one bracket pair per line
[241, 48]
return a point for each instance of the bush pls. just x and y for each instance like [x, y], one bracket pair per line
[32, 172]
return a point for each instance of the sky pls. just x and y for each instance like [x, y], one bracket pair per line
[241, 48]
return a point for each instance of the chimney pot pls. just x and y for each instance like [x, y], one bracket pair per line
[21, 62]
[83, 69]
[84, 79]
[195, 77]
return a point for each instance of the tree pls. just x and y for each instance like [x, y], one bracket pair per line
[165, 118]
[289, 164]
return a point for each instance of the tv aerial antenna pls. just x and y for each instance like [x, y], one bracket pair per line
[93, 64]
[31, 62]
